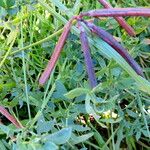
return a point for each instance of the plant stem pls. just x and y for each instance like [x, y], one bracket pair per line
[38, 42]
[25, 75]
[10, 48]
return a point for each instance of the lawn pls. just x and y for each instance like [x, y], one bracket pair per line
[66, 113]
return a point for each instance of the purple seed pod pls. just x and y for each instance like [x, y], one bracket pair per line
[117, 12]
[108, 38]
[120, 20]
[87, 56]
[60, 44]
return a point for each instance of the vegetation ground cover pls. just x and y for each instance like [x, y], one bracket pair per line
[65, 113]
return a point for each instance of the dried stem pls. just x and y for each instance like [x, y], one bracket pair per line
[10, 117]
[118, 12]
[87, 56]
[108, 38]
[120, 20]
[60, 44]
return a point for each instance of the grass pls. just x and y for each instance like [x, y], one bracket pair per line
[65, 113]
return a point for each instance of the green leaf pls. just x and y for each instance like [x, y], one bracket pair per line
[131, 113]
[60, 137]
[10, 3]
[60, 91]
[131, 142]
[3, 3]
[82, 138]
[50, 146]
[13, 11]
[7, 3]
[3, 12]
[76, 92]
[76, 7]
[91, 111]
[80, 128]
[109, 120]
[145, 132]
[138, 135]
[2, 146]
[11, 36]
[44, 126]
[4, 128]
[120, 137]
[62, 7]
[143, 84]
[100, 140]
[105, 105]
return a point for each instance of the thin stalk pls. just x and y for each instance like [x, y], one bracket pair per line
[120, 20]
[109, 140]
[60, 44]
[143, 144]
[9, 49]
[117, 12]
[37, 43]
[25, 76]
[87, 56]
[47, 96]
[93, 145]
[108, 38]
[112, 131]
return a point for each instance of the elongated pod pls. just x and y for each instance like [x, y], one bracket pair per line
[120, 20]
[59, 46]
[108, 38]
[87, 56]
[10, 117]
[117, 12]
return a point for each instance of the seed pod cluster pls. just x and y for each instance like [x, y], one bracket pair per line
[117, 13]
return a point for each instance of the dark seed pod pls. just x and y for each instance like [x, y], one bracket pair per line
[87, 56]
[11, 118]
[108, 38]
[117, 12]
[120, 20]
[60, 44]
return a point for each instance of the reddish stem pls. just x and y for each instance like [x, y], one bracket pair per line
[60, 44]
[120, 20]
[118, 12]
[108, 38]
[87, 56]
[10, 117]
